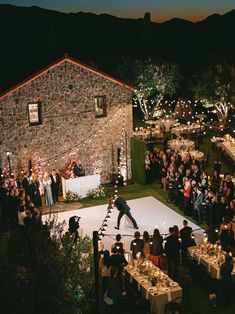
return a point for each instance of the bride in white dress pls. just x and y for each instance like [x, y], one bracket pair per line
[47, 189]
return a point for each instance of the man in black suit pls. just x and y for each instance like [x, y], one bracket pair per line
[123, 208]
[186, 240]
[55, 185]
[172, 250]
[25, 183]
[77, 169]
[137, 245]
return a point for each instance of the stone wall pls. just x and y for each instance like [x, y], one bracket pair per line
[66, 93]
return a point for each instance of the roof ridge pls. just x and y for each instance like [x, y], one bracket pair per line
[60, 61]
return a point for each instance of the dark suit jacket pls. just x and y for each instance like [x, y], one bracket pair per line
[25, 185]
[172, 248]
[118, 260]
[185, 235]
[137, 246]
[121, 205]
[55, 184]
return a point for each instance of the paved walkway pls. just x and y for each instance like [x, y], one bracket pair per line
[60, 207]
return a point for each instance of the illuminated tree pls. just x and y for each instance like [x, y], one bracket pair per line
[215, 88]
[153, 81]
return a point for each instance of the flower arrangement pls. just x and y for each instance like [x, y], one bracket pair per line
[72, 197]
[97, 193]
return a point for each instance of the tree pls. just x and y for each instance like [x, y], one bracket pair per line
[153, 81]
[44, 272]
[215, 88]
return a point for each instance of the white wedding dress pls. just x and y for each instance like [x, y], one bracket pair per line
[126, 222]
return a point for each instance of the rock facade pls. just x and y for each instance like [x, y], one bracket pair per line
[70, 129]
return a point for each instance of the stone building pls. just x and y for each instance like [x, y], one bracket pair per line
[66, 112]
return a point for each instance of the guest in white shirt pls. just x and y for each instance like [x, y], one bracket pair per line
[55, 185]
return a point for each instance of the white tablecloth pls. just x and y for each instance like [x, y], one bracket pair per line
[158, 296]
[167, 123]
[80, 185]
[192, 128]
[181, 144]
[194, 153]
[146, 133]
[210, 263]
[229, 148]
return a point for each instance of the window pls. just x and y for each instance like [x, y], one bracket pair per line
[100, 106]
[34, 113]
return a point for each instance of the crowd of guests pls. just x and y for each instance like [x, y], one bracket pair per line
[166, 253]
[169, 253]
[21, 199]
[208, 199]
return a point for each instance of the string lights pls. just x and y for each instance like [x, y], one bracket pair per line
[104, 225]
[98, 132]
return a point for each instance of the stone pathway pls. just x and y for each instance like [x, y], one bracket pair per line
[60, 207]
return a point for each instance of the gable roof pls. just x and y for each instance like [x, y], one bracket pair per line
[58, 63]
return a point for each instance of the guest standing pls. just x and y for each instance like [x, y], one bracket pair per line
[25, 183]
[156, 249]
[146, 239]
[186, 241]
[223, 295]
[137, 245]
[35, 196]
[47, 189]
[105, 270]
[172, 250]
[55, 185]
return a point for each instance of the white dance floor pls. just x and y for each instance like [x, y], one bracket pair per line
[148, 212]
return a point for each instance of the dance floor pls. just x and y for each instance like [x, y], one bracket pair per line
[147, 211]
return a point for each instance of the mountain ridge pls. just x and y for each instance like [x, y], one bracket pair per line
[33, 37]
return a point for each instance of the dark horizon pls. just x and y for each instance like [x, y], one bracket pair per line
[159, 13]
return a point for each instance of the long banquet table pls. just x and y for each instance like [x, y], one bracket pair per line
[211, 263]
[164, 292]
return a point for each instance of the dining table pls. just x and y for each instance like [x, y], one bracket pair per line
[181, 144]
[211, 257]
[198, 155]
[153, 285]
[185, 129]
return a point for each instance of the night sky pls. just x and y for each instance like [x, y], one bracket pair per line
[160, 10]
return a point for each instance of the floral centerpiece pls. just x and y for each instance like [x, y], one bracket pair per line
[72, 197]
[100, 192]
